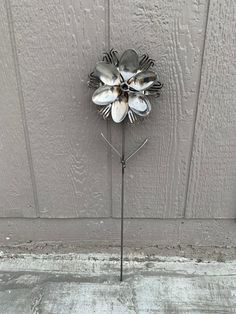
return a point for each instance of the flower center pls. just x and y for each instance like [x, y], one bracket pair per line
[124, 87]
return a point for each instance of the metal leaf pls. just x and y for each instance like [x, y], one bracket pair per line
[128, 64]
[107, 73]
[105, 95]
[119, 109]
[139, 104]
[142, 80]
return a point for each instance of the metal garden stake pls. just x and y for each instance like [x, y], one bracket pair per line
[122, 86]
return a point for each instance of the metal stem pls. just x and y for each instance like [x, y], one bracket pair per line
[123, 162]
[115, 150]
[136, 150]
[123, 165]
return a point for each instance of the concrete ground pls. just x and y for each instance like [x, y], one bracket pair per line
[89, 283]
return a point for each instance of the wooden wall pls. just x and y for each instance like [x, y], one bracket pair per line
[59, 181]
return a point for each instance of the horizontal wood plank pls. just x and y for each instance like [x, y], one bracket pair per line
[138, 233]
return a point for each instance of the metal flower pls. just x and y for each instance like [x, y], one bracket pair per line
[123, 85]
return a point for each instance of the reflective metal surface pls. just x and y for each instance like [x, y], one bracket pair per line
[142, 80]
[129, 64]
[123, 85]
[140, 104]
[132, 116]
[105, 94]
[105, 111]
[119, 109]
[108, 73]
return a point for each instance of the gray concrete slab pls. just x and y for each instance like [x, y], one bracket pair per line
[88, 283]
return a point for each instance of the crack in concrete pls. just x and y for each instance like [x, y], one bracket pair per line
[37, 297]
[134, 300]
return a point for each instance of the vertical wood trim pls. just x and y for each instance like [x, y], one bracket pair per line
[196, 109]
[108, 26]
[109, 152]
[22, 107]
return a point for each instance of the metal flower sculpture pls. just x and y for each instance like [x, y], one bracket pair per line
[123, 85]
